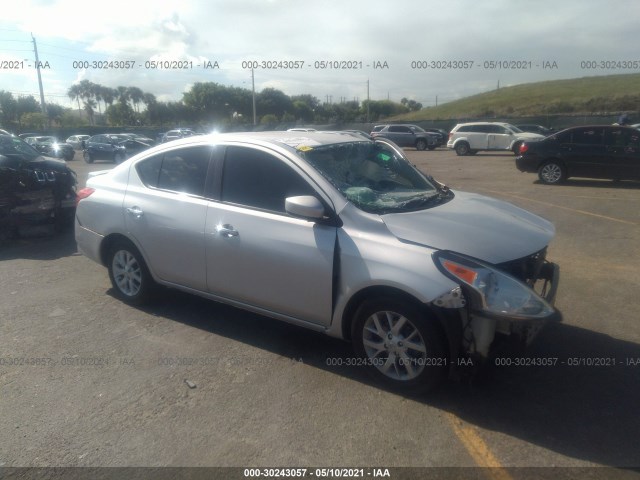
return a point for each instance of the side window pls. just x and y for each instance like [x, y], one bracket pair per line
[398, 129]
[149, 170]
[259, 180]
[588, 136]
[564, 137]
[185, 170]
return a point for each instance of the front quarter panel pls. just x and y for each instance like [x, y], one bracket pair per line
[370, 256]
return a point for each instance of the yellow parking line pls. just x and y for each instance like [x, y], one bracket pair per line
[613, 219]
[478, 449]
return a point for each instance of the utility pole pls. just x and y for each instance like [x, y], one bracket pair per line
[368, 100]
[43, 107]
[253, 94]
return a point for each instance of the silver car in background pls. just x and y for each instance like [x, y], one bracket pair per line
[329, 231]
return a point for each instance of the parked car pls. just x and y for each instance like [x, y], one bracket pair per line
[406, 136]
[442, 135]
[602, 151]
[176, 134]
[51, 147]
[528, 127]
[311, 245]
[77, 141]
[140, 138]
[33, 189]
[470, 138]
[114, 147]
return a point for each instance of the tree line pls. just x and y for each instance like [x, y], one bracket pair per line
[206, 103]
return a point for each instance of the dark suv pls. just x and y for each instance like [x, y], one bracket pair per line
[33, 189]
[406, 136]
[600, 151]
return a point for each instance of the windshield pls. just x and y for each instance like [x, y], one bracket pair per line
[13, 146]
[514, 128]
[373, 176]
[415, 128]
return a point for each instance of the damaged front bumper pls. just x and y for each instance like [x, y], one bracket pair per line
[483, 319]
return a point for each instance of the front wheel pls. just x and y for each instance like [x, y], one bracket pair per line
[552, 173]
[401, 346]
[87, 157]
[119, 158]
[421, 144]
[462, 148]
[129, 274]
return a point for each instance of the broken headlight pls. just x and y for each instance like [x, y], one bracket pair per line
[491, 291]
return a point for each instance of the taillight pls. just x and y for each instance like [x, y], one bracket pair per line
[84, 193]
[523, 148]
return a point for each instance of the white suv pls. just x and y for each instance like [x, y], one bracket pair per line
[469, 138]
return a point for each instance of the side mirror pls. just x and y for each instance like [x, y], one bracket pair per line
[305, 207]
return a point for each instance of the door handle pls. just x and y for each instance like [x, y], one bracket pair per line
[135, 211]
[226, 230]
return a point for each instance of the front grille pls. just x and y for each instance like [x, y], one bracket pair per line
[528, 268]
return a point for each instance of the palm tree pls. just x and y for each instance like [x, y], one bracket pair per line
[89, 104]
[136, 96]
[108, 95]
[74, 93]
[123, 94]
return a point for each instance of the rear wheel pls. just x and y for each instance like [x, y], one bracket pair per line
[462, 148]
[129, 274]
[401, 346]
[552, 172]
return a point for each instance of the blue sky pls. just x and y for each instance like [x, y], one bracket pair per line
[505, 41]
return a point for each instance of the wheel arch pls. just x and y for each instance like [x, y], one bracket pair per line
[358, 299]
[113, 238]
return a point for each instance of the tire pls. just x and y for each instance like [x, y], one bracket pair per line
[87, 157]
[421, 144]
[462, 148]
[119, 158]
[129, 274]
[552, 173]
[402, 347]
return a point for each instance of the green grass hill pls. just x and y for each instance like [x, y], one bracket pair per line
[587, 95]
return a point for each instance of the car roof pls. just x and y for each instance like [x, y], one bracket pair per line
[485, 123]
[298, 140]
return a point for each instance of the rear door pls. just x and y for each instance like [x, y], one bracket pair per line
[259, 255]
[401, 135]
[165, 209]
[585, 152]
[476, 135]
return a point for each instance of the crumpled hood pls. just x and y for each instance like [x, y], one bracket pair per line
[474, 225]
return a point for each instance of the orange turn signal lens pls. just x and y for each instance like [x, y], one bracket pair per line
[463, 273]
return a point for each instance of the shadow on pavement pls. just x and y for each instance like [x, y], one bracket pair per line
[584, 407]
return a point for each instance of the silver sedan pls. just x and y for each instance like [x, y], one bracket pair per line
[329, 231]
